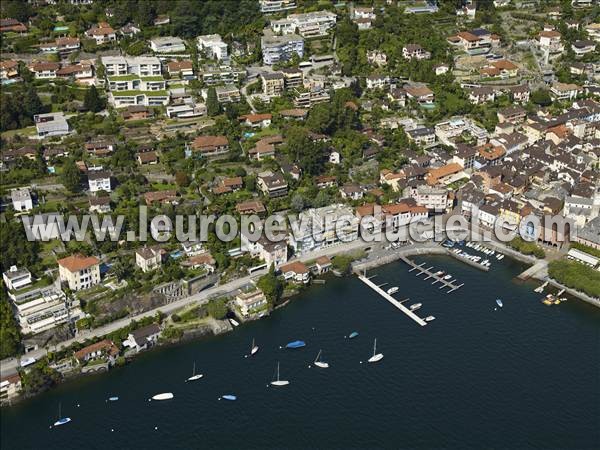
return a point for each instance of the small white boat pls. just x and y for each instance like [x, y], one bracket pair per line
[278, 382]
[429, 318]
[500, 258]
[376, 356]
[163, 396]
[234, 322]
[321, 364]
[253, 348]
[61, 420]
[392, 290]
[195, 376]
[447, 277]
[439, 272]
[113, 399]
[415, 306]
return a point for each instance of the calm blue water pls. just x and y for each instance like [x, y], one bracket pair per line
[523, 377]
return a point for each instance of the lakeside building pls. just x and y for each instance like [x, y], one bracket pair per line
[37, 305]
[332, 225]
[250, 301]
[10, 388]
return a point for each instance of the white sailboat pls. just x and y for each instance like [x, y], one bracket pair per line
[195, 376]
[61, 420]
[376, 356]
[321, 364]
[279, 382]
[254, 348]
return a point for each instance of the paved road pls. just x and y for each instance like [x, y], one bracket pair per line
[9, 366]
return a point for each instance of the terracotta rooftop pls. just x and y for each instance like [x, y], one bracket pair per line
[77, 262]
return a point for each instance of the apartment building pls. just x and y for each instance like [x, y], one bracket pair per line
[320, 228]
[79, 272]
[273, 83]
[224, 74]
[281, 48]
[276, 6]
[213, 47]
[550, 41]
[312, 24]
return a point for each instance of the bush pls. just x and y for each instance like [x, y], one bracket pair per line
[576, 275]
[527, 248]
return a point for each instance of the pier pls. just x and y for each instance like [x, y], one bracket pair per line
[392, 300]
[420, 268]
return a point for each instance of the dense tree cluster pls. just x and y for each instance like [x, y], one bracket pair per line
[576, 275]
[19, 107]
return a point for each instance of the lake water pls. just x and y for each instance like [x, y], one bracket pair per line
[524, 376]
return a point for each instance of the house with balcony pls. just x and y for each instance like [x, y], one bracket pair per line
[281, 48]
[79, 272]
[211, 146]
[250, 301]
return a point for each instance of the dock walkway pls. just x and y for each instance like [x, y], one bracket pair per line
[392, 300]
[450, 284]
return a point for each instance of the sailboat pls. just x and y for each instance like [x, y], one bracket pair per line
[353, 335]
[321, 364]
[279, 382]
[254, 348]
[194, 376]
[499, 302]
[163, 396]
[376, 356]
[61, 420]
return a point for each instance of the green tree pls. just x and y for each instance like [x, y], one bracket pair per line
[92, 100]
[10, 339]
[271, 286]
[71, 176]
[217, 309]
[31, 102]
[212, 104]
[541, 97]
[182, 179]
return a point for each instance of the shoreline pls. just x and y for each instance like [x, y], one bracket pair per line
[357, 267]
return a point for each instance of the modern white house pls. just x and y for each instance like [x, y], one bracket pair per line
[51, 124]
[213, 46]
[312, 24]
[167, 44]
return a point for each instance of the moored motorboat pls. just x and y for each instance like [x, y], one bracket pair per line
[163, 396]
[392, 290]
[229, 397]
[234, 322]
[429, 318]
[415, 306]
[295, 344]
[113, 399]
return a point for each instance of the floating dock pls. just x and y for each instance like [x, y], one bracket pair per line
[392, 300]
[450, 284]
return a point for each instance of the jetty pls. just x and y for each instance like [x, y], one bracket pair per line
[437, 278]
[392, 300]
